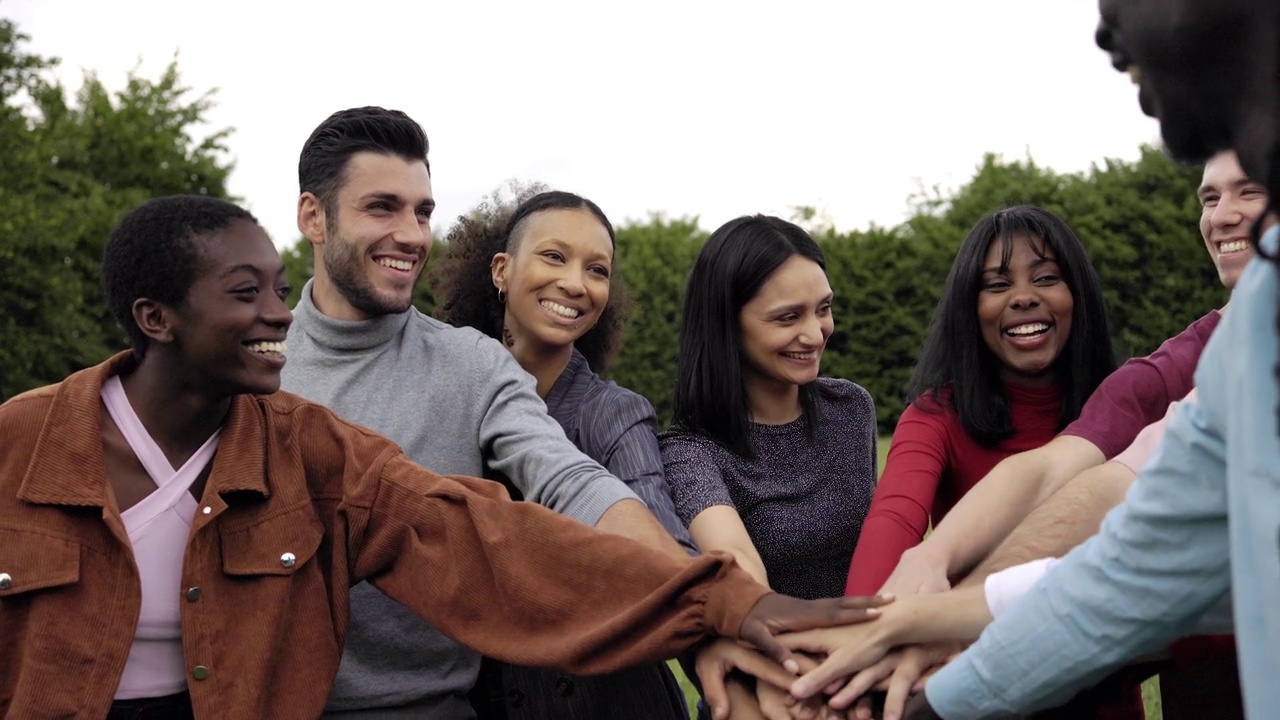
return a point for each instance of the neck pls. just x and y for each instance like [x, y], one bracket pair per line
[773, 403]
[1046, 379]
[179, 418]
[545, 364]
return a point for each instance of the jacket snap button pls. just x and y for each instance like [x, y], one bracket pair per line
[517, 698]
[200, 672]
[6, 581]
[288, 560]
[564, 687]
[193, 594]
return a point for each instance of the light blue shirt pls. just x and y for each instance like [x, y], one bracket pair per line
[1168, 553]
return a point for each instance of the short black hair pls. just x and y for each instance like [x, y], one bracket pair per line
[322, 164]
[956, 358]
[152, 253]
[464, 283]
[711, 394]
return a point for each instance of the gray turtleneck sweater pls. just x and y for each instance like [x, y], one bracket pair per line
[458, 403]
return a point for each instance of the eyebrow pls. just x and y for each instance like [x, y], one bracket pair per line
[247, 267]
[393, 198]
[561, 243]
[798, 306]
[1039, 261]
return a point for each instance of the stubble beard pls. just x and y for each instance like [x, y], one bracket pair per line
[344, 268]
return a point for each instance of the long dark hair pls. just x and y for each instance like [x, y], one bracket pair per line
[711, 395]
[464, 284]
[954, 356]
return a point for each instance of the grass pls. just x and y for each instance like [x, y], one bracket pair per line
[1150, 688]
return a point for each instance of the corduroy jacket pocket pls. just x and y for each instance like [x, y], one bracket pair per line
[279, 544]
[33, 560]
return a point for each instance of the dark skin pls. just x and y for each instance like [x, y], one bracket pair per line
[239, 292]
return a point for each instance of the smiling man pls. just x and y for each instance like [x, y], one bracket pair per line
[454, 399]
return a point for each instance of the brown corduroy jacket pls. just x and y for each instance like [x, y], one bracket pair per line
[299, 506]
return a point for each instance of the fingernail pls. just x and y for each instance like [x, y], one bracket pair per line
[886, 596]
[718, 711]
[872, 612]
[798, 689]
[791, 666]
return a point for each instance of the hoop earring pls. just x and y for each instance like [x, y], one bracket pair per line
[502, 297]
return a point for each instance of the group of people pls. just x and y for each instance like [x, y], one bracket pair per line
[300, 513]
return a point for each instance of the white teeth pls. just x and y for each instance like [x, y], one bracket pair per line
[561, 310]
[802, 356]
[264, 347]
[1233, 247]
[395, 264]
[1028, 329]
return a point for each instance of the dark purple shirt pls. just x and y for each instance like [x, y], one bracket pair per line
[802, 499]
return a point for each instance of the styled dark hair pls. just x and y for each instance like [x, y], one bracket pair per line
[711, 394]
[954, 356]
[322, 166]
[463, 282]
[152, 253]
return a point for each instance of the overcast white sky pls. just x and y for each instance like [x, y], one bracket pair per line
[713, 109]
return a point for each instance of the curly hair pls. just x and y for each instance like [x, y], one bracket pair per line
[463, 283]
[152, 253]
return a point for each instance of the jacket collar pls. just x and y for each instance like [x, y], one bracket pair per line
[67, 464]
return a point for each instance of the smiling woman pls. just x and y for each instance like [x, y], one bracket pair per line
[1018, 342]
[766, 460]
[541, 277]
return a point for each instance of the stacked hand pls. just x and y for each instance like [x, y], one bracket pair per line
[761, 655]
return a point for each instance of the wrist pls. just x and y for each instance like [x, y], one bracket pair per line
[930, 555]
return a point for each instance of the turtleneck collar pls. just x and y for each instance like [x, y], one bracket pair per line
[345, 334]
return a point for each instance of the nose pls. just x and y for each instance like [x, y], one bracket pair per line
[274, 311]
[571, 283]
[412, 230]
[811, 331]
[1227, 212]
[1024, 297]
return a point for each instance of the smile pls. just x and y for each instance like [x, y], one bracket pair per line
[1027, 330]
[802, 356]
[269, 351]
[394, 264]
[561, 310]
[1232, 246]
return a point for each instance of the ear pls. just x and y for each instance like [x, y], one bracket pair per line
[498, 269]
[156, 320]
[311, 218]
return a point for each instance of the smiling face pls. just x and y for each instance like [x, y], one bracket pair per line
[557, 279]
[373, 240]
[1024, 310]
[1231, 203]
[231, 327]
[786, 325]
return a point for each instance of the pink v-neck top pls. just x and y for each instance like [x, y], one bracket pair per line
[158, 527]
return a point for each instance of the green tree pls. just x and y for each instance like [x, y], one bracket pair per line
[654, 259]
[72, 168]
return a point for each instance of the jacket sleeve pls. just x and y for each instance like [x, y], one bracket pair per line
[899, 514]
[507, 578]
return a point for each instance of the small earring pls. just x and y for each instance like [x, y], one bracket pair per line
[502, 297]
